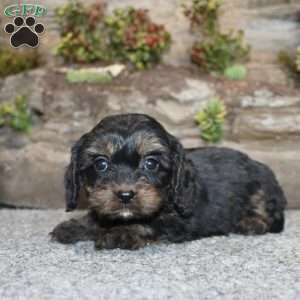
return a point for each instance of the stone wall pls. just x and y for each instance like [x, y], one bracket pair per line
[262, 122]
[265, 3]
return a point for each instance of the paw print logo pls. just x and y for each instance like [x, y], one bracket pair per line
[24, 32]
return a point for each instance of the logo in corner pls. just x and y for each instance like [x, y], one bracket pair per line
[25, 30]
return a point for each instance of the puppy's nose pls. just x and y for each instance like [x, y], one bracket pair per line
[125, 196]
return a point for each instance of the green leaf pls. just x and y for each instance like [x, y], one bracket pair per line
[211, 119]
[16, 115]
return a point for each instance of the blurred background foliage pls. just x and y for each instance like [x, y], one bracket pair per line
[215, 51]
[16, 115]
[13, 62]
[88, 34]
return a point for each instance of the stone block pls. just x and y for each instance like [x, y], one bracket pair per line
[33, 176]
[267, 124]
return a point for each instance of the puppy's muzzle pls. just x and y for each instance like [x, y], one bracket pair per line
[125, 196]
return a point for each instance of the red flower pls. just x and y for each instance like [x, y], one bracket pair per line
[141, 14]
[152, 28]
[197, 55]
[151, 41]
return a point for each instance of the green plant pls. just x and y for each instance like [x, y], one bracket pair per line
[220, 51]
[211, 120]
[216, 51]
[236, 72]
[86, 75]
[80, 30]
[135, 38]
[204, 13]
[16, 115]
[13, 61]
[128, 35]
[289, 63]
[298, 59]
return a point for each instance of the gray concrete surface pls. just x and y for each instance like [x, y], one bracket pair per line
[235, 267]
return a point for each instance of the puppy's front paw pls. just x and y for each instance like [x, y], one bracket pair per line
[120, 238]
[63, 232]
[74, 230]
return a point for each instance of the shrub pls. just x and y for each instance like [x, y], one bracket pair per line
[13, 61]
[298, 59]
[211, 120]
[80, 30]
[127, 35]
[203, 13]
[290, 63]
[216, 51]
[135, 38]
[16, 115]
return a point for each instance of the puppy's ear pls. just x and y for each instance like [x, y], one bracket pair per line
[183, 181]
[72, 178]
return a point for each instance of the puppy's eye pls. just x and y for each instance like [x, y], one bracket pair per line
[101, 164]
[151, 164]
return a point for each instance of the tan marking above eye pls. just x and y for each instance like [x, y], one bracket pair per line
[111, 147]
[146, 143]
[106, 149]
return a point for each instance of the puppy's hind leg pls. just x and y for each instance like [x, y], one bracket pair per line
[261, 215]
[252, 225]
[74, 230]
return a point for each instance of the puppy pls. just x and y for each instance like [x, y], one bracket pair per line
[143, 187]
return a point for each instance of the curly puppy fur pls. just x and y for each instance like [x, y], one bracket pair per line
[143, 187]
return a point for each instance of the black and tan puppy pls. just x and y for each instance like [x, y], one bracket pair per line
[143, 187]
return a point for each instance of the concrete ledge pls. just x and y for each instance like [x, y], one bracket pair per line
[33, 176]
[219, 268]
